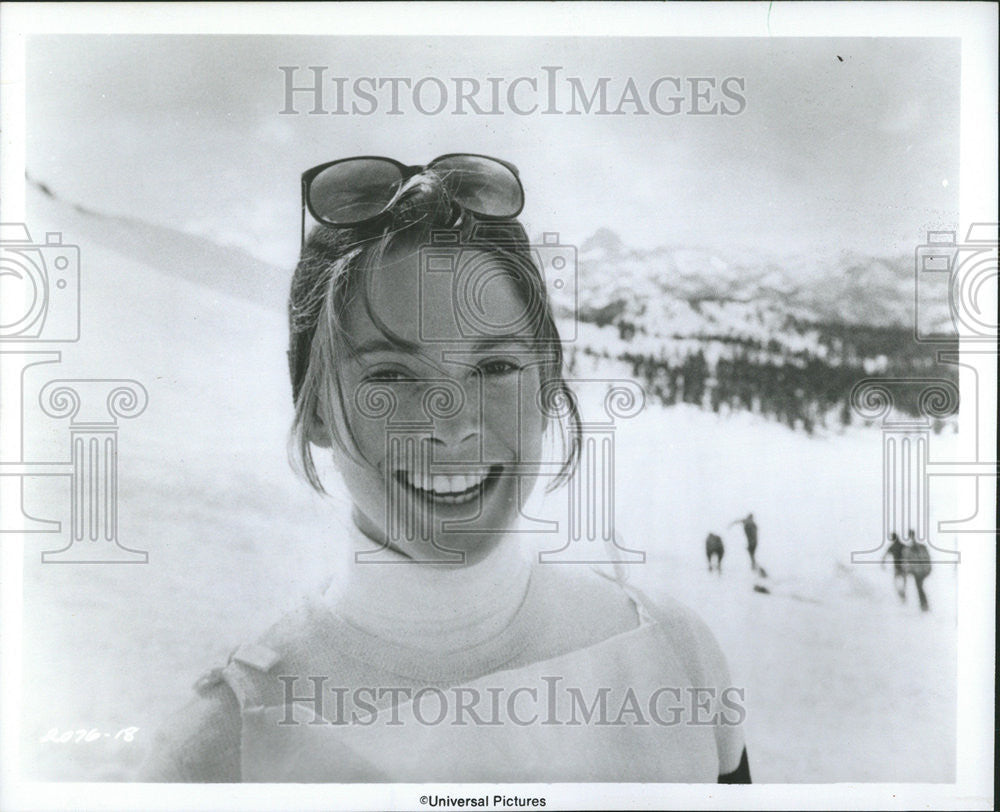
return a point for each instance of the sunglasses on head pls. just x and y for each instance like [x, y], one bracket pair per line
[353, 191]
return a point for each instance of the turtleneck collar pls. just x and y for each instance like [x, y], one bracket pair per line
[443, 610]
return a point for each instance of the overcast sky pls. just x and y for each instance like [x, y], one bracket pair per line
[843, 143]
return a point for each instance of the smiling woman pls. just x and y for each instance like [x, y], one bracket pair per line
[487, 429]
[426, 362]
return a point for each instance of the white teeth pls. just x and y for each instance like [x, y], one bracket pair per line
[443, 484]
[414, 479]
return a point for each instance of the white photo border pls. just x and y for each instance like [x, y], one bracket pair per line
[974, 23]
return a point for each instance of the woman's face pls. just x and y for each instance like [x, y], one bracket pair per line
[450, 431]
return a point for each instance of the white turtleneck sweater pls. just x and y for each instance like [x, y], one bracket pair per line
[389, 621]
[440, 609]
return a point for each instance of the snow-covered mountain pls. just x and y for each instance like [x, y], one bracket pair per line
[725, 328]
[690, 290]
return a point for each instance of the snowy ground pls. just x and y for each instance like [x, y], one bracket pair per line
[843, 682]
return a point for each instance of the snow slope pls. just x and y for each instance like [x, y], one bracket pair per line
[843, 683]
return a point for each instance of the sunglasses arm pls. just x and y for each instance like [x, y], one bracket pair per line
[302, 224]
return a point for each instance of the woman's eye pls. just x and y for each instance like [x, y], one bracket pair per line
[387, 376]
[499, 366]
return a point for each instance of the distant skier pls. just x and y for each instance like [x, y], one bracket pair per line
[917, 562]
[750, 528]
[896, 549]
[714, 548]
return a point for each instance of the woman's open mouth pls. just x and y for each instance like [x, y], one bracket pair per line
[449, 489]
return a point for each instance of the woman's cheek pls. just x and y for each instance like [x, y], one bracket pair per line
[512, 415]
[371, 435]
[532, 418]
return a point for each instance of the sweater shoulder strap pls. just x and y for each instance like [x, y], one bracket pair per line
[676, 621]
[248, 675]
[252, 667]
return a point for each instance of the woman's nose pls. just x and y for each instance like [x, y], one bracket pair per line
[457, 415]
[453, 440]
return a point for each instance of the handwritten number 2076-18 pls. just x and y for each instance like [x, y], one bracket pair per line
[126, 734]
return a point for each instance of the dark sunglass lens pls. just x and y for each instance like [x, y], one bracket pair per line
[353, 190]
[481, 185]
